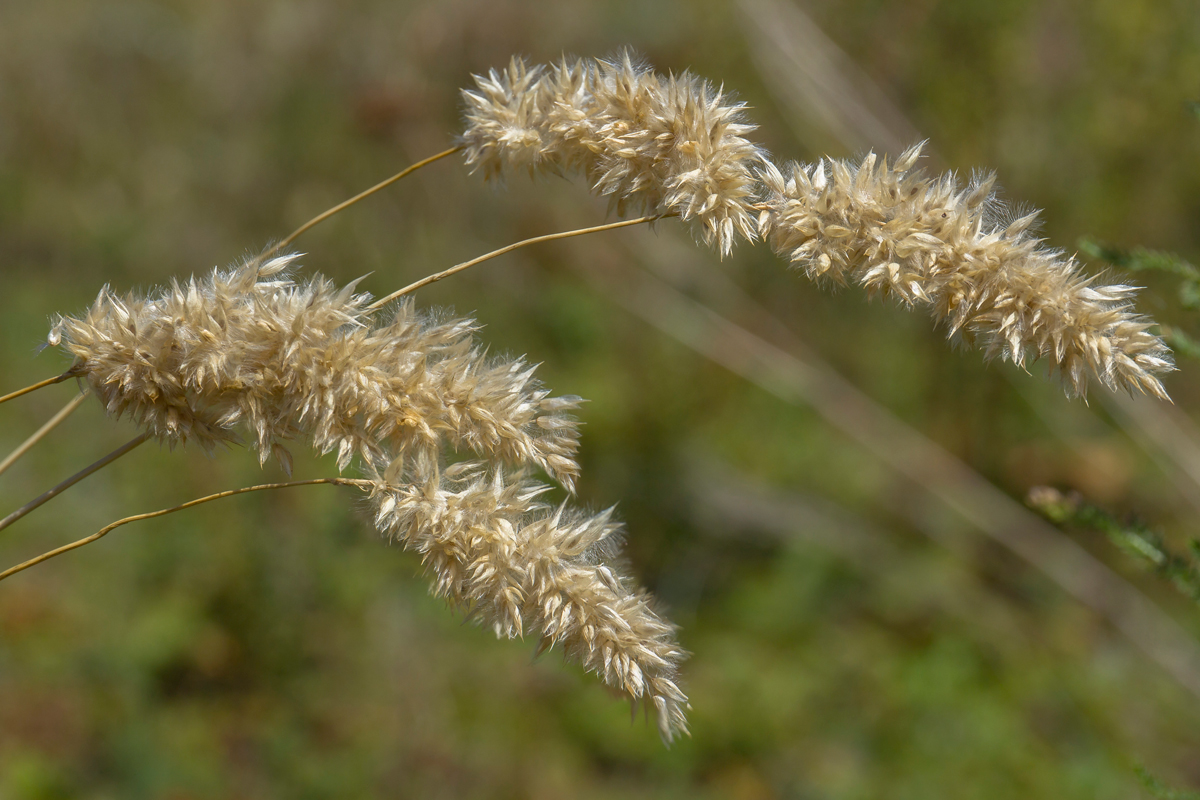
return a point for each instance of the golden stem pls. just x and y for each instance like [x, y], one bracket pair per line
[412, 287]
[71, 481]
[151, 514]
[347, 203]
[71, 373]
[23, 448]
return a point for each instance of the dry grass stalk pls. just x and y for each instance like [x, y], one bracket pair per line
[675, 144]
[59, 488]
[550, 237]
[39, 385]
[112, 526]
[41, 433]
[249, 348]
[285, 242]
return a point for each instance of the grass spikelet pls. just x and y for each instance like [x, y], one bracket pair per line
[931, 242]
[506, 120]
[519, 566]
[666, 145]
[250, 347]
[250, 352]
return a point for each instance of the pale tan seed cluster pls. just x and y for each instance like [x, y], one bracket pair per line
[249, 348]
[674, 144]
[933, 243]
[521, 566]
[667, 145]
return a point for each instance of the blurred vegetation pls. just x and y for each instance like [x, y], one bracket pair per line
[1161, 791]
[1145, 545]
[273, 646]
[1139, 259]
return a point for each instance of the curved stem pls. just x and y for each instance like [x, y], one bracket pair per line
[39, 385]
[23, 448]
[412, 287]
[162, 512]
[71, 481]
[347, 203]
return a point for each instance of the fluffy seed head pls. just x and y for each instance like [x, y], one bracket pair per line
[250, 347]
[667, 145]
[505, 117]
[935, 243]
[520, 566]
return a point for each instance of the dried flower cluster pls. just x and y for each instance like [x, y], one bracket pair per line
[677, 145]
[248, 346]
[251, 347]
[934, 243]
[669, 145]
[521, 566]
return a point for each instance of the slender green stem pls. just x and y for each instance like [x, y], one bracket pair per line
[162, 512]
[24, 447]
[71, 481]
[347, 203]
[412, 287]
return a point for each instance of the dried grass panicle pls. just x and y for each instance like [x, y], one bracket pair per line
[521, 566]
[935, 243]
[249, 346]
[506, 120]
[667, 145]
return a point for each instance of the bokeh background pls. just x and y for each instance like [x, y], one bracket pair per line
[860, 626]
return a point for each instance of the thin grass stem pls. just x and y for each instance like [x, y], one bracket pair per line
[164, 511]
[71, 373]
[347, 203]
[412, 287]
[24, 447]
[71, 481]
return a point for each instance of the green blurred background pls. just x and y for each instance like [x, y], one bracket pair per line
[853, 636]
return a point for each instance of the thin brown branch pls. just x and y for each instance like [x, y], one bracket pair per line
[24, 447]
[347, 203]
[39, 385]
[71, 481]
[162, 512]
[412, 287]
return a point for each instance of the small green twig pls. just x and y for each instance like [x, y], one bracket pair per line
[1139, 259]
[1161, 791]
[1139, 541]
[1180, 342]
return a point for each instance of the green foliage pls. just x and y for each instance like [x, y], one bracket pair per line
[1161, 791]
[1139, 259]
[1182, 343]
[1181, 569]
